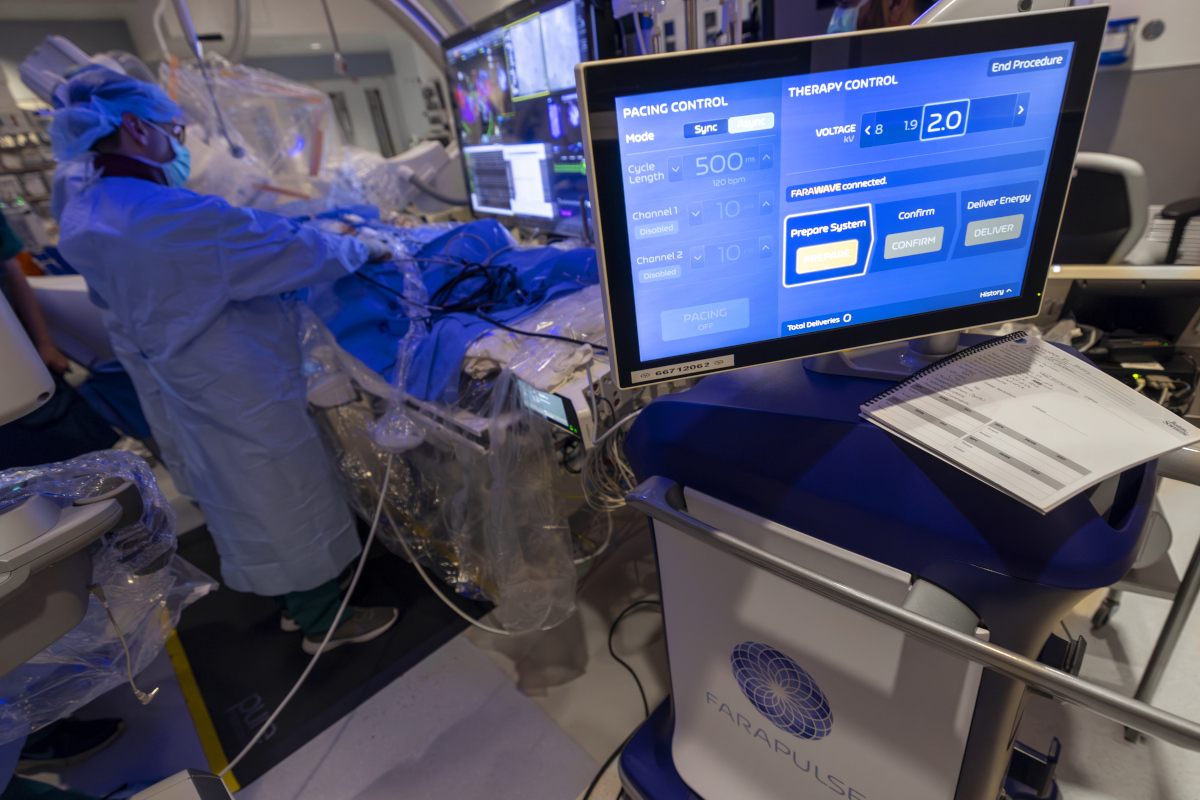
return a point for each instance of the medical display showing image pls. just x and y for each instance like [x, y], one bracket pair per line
[481, 90]
[518, 115]
[780, 207]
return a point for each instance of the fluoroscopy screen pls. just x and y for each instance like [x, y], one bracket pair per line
[518, 114]
[780, 207]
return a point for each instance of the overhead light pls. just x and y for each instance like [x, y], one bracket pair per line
[315, 46]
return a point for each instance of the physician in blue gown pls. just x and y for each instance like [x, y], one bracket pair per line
[191, 288]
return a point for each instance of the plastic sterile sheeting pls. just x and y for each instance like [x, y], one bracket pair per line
[546, 364]
[146, 584]
[473, 495]
[293, 160]
[378, 179]
[366, 311]
[512, 282]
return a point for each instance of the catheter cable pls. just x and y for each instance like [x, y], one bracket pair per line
[387, 476]
[145, 698]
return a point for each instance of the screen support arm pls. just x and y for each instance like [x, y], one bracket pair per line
[895, 361]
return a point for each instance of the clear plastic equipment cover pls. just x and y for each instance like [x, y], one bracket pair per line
[146, 584]
[473, 487]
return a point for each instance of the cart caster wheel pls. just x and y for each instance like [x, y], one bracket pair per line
[1104, 613]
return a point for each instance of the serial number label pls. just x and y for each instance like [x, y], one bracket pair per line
[673, 371]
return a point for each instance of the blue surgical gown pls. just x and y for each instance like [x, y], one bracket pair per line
[192, 287]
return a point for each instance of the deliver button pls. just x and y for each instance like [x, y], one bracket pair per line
[728, 315]
[996, 229]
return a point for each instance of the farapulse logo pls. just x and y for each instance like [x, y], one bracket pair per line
[782, 691]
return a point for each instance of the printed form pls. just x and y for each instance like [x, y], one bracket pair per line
[1029, 419]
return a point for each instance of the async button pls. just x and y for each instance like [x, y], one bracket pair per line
[826, 256]
[911, 243]
[996, 229]
[727, 315]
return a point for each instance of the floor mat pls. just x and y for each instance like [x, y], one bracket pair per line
[244, 664]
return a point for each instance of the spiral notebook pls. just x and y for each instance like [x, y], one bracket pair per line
[1029, 419]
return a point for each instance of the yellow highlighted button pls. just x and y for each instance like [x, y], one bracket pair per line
[817, 257]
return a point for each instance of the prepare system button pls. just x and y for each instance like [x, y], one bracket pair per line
[911, 243]
[727, 315]
[818, 257]
[825, 245]
[996, 229]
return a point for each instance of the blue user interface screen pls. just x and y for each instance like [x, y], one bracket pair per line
[780, 207]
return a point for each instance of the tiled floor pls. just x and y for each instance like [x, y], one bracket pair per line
[452, 727]
[1097, 763]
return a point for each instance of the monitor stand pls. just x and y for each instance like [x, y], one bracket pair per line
[889, 362]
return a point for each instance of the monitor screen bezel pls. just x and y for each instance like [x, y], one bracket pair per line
[600, 83]
[506, 16]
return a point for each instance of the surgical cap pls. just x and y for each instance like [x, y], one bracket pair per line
[89, 107]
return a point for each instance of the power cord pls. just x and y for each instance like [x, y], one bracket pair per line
[645, 706]
[604, 767]
[613, 629]
[387, 476]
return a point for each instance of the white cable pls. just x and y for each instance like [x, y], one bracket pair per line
[387, 476]
[145, 698]
[619, 423]
[429, 582]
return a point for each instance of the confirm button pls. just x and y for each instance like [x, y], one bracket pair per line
[728, 315]
[911, 243]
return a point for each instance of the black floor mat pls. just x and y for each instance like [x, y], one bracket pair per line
[244, 664]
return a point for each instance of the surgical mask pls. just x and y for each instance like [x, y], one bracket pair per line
[177, 170]
[845, 18]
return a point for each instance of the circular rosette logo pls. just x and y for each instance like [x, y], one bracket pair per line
[782, 691]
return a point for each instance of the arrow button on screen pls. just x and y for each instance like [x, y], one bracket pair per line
[1022, 110]
[675, 169]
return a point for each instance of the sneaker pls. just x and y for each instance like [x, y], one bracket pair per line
[67, 742]
[289, 625]
[363, 626]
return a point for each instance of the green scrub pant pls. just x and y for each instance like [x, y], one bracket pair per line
[314, 609]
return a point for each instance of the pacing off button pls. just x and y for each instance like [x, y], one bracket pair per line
[996, 229]
[729, 315]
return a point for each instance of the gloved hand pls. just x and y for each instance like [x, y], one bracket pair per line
[379, 251]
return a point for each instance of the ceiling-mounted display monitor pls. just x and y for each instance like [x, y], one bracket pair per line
[771, 201]
[517, 115]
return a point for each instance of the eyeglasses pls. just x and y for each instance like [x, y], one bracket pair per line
[171, 129]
